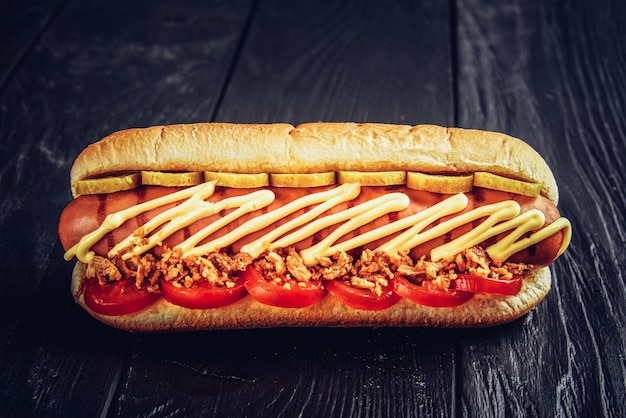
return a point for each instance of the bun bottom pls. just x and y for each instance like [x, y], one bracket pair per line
[480, 311]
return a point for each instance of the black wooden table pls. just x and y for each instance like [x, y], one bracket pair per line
[550, 72]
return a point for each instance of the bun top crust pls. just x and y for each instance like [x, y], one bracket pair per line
[313, 147]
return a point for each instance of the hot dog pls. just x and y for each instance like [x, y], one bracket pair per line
[216, 226]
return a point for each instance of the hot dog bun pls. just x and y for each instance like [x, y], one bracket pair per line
[317, 148]
[480, 311]
[312, 148]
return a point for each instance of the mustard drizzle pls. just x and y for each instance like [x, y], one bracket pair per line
[499, 218]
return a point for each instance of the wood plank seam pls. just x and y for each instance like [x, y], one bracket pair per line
[31, 44]
[235, 59]
[454, 60]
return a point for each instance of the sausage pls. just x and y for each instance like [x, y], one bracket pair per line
[85, 213]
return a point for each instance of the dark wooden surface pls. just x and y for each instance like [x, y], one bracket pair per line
[551, 72]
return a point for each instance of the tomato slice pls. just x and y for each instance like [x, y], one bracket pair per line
[296, 296]
[117, 298]
[358, 298]
[202, 295]
[478, 284]
[428, 294]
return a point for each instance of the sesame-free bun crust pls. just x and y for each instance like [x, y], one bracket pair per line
[480, 311]
[317, 148]
[312, 148]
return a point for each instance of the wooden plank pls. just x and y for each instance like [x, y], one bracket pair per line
[21, 25]
[102, 66]
[338, 61]
[551, 73]
[303, 61]
[290, 372]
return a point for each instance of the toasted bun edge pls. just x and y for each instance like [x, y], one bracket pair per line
[313, 147]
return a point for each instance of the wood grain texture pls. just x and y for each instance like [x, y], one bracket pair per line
[21, 26]
[549, 72]
[98, 67]
[342, 61]
[298, 372]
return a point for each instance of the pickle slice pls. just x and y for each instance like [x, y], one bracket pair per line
[159, 178]
[440, 183]
[303, 179]
[237, 180]
[382, 178]
[107, 184]
[505, 184]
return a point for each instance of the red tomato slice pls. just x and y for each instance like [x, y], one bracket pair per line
[358, 298]
[477, 284]
[273, 294]
[202, 295]
[117, 298]
[428, 294]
